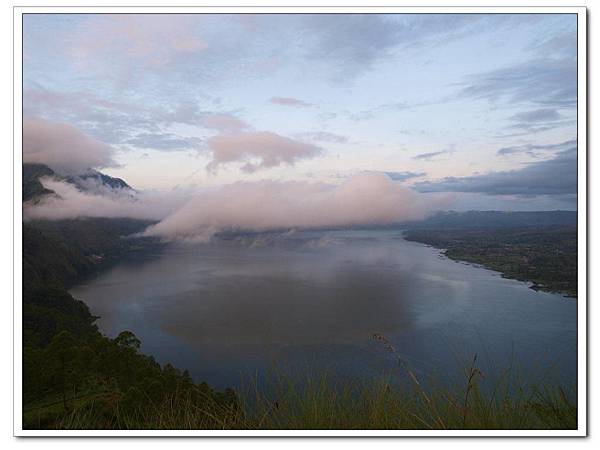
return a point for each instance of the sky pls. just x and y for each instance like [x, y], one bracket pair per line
[471, 111]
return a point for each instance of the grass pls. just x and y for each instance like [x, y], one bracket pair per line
[322, 402]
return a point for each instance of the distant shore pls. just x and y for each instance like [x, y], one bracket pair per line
[545, 257]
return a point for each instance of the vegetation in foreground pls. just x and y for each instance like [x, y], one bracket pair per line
[546, 256]
[172, 401]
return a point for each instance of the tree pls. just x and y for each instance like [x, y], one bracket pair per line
[70, 361]
[128, 339]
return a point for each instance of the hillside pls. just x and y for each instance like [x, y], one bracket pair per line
[544, 256]
[33, 189]
[496, 220]
[68, 365]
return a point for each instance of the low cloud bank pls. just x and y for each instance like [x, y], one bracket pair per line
[365, 199]
[69, 202]
[369, 198]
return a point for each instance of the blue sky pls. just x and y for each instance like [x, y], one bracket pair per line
[479, 107]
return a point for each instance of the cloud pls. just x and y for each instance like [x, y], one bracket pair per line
[563, 45]
[69, 202]
[543, 82]
[258, 150]
[365, 199]
[387, 108]
[164, 142]
[137, 41]
[538, 115]
[369, 198]
[534, 149]
[109, 121]
[431, 155]
[403, 176]
[62, 147]
[548, 79]
[288, 101]
[536, 121]
[352, 43]
[223, 122]
[335, 38]
[324, 136]
[556, 176]
[528, 128]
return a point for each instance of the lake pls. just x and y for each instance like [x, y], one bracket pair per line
[239, 306]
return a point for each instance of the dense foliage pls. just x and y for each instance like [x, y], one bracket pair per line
[63, 251]
[545, 256]
[32, 188]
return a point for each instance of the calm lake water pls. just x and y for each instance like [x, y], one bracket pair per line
[235, 308]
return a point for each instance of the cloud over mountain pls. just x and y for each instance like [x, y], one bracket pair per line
[369, 198]
[71, 202]
[62, 147]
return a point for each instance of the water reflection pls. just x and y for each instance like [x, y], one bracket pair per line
[235, 305]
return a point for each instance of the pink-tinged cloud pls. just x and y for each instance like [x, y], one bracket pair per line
[69, 202]
[369, 198]
[223, 122]
[146, 40]
[258, 150]
[288, 101]
[63, 148]
[365, 199]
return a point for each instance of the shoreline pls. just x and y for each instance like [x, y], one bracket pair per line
[533, 285]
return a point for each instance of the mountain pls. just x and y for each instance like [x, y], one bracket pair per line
[93, 177]
[32, 188]
[89, 181]
[497, 219]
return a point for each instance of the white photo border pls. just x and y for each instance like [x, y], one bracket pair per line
[582, 202]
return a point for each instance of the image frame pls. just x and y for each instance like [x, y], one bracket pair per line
[582, 215]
